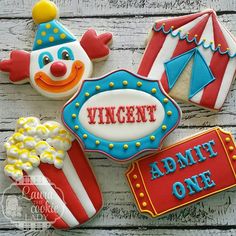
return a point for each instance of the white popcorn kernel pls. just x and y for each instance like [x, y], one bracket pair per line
[41, 146]
[13, 151]
[29, 142]
[42, 131]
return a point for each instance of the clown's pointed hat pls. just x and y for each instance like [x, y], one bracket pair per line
[50, 32]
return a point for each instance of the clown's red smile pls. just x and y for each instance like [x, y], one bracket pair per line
[58, 70]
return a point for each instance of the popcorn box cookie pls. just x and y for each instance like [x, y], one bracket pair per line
[184, 173]
[50, 168]
[121, 115]
[194, 57]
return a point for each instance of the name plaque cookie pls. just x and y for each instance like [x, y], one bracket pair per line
[121, 115]
[183, 173]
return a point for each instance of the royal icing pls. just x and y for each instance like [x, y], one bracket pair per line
[46, 160]
[185, 172]
[192, 56]
[33, 143]
[121, 115]
[58, 61]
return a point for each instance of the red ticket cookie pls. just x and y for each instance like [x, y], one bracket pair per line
[185, 172]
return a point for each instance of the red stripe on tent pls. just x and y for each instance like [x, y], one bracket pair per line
[85, 174]
[41, 203]
[184, 46]
[150, 54]
[179, 21]
[156, 42]
[218, 66]
[63, 188]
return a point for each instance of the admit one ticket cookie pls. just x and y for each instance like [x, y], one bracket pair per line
[183, 173]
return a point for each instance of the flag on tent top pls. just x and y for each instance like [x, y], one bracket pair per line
[194, 56]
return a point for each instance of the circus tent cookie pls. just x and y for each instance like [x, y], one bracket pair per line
[183, 173]
[46, 160]
[121, 115]
[194, 57]
[58, 61]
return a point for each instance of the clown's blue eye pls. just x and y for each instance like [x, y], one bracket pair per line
[65, 53]
[44, 59]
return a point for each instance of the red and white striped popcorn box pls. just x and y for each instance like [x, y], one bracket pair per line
[47, 161]
[194, 57]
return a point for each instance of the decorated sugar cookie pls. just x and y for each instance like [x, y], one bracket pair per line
[58, 61]
[183, 173]
[194, 57]
[48, 165]
[121, 115]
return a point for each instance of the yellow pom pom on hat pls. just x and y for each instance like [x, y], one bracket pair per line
[44, 11]
[50, 32]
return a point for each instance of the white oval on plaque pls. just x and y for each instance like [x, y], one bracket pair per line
[121, 132]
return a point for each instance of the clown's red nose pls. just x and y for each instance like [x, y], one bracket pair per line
[58, 69]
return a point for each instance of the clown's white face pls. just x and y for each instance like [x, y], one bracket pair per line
[56, 72]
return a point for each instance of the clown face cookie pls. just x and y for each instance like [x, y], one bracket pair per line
[50, 168]
[57, 72]
[58, 61]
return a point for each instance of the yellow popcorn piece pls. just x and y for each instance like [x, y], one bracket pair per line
[20, 145]
[24, 154]
[46, 157]
[58, 163]
[29, 131]
[34, 160]
[52, 151]
[41, 146]
[18, 164]
[31, 122]
[29, 142]
[42, 131]
[60, 154]
[18, 136]
[9, 168]
[61, 143]
[21, 130]
[62, 132]
[11, 160]
[54, 128]
[13, 172]
[13, 151]
[21, 121]
[11, 140]
[27, 166]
